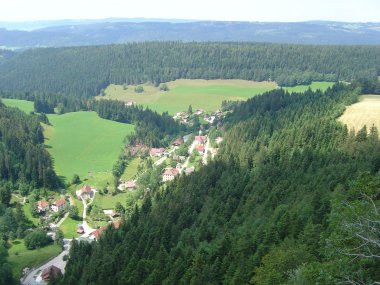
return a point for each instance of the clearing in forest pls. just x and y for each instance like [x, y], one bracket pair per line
[82, 142]
[26, 106]
[200, 94]
[365, 112]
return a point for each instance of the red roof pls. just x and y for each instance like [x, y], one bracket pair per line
[61, 201]
[130, 184]
[200, 148]
[51, 271]
[97, 232]
[42, 204]
[200, 139]
[171, 171]
[86, 189]
[155, 151]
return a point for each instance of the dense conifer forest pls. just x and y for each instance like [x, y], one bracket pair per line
[85, 71]
[292, 198]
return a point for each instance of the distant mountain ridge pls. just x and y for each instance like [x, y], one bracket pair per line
[92, 32]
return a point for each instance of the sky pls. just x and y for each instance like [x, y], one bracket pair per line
[232, 10]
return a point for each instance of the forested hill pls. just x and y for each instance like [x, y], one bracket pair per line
[73, 33]
[84, 71]
[277, 206]
[23, 157]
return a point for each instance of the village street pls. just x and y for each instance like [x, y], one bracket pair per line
[34, 276]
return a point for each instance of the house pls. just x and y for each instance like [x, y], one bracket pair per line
[84, 193]
[178, 142]
[50, 273]
[200, 139]
[96, 234]
[156, 152]
[42, 206]
[200, 149]
[199, 112]
[58, 205]
[130, 185]
[169, 174]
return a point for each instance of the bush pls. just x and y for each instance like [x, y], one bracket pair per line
[164, 87]
[37, 239]
[139, 89]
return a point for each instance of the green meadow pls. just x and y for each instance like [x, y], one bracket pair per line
[200, 94]
[21, 257]
[26, 106]
[82, 143]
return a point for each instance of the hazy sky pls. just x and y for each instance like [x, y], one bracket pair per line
[246, 10]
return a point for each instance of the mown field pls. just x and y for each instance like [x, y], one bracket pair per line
[82, 142]
[204, 94]
[26, 106]
[365, 112]
[21, 257]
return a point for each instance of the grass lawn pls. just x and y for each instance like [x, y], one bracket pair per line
[29, 258]
[69, 228]
[365, 112]
[28, 214]
[108, 201]
[131, 169]
[204, 94]
[81, 142]
[26, 106]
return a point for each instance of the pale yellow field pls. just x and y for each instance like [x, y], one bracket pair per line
[365, 112]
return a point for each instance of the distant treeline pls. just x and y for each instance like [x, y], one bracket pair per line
[85, 71]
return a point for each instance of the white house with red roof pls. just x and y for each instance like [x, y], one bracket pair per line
[42, 206]
[59, 205]
[200, 149]
[84, 193]
[169, 174]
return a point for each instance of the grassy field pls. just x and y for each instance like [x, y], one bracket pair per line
[205, 94]
[131, 169]
[28, 213]
[108, 201]
[69, 228]
[82, 142]
[29, 258]
[365, 112]
[26, 106]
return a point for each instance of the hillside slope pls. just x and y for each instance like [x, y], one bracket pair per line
[263, 212]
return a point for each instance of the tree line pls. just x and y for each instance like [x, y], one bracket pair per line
[85, 71]
[277, 206]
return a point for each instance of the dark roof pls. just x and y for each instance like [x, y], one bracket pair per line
[49, 272]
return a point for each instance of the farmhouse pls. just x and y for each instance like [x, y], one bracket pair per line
[50, 272]
[169, 174]
[96, 234]
[189, 170]
[157, 152]
[42, 206]
[84, 193]
[58, 205]
[200, 139]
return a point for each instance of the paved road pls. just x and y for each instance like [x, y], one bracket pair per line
[162, 159]
[34, 277]
[87, 229]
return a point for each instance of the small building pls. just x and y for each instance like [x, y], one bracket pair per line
[42, 206]
[200, 149]
[178, 142]
[80, 229]
[169, 174]
[128, 185]
[58, 205]
[84, 193]
[178, 167]
[51, 272]
[199, 112]
[157, 152]
[200, 139]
